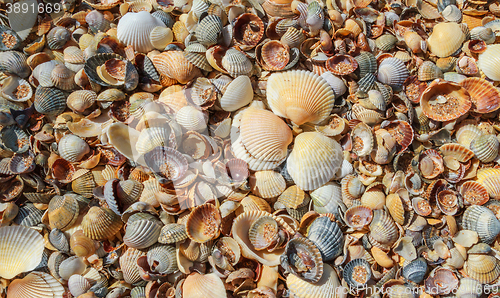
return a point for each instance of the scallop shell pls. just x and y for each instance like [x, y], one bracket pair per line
[474, 193]
[261, 148]
[167, 161]
[386, 42]
[451, 34]
[203, 223]
[200, 286]
[428, 71]
[28, 216]
[208, 30]
[238, 94]
[36, 284]
[101, 223]
[392, 72]
[310, 172]
[466, 133]
[444, 101]
[303, 259]
[128, 264]
[485, 147]
[72, 148]
[487, 61]
[323, 288]
[151, 138]
[485, 97]
[236, 63]
[240, 234]
[57, 37]
[267, 184]
[275, 55]
[483, 268]
[327, 236]
[49, 101]
[15, 63]
[137, 36]
[81, 100]
[141, 232]
[483, 221]
[416, 270]
[22, 250]
[174, 65]
[288, 97]
[97, 21]
[63, 211]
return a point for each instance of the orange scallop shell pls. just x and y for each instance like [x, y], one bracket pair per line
[401, 131]
[461, 153]
[445, 101]
[485, 97]
[474, 193]
[341, 64]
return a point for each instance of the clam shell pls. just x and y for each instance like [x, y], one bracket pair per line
[137, 36]
[358, 217]
[236, 63]
[466, 133]
[485, 147]
[474, 193]
[14, 139]
[91, 69]
[203, 223]
[160, 37]
[57, 37]
[172, 233]
[151, 138]
[16, 89]
[58, 240]
[443, 101]
[261, 148]
[28, 216]
[263, 232]
[78, 285]
[167, 161]
[267, 184]
[72, 148]
[199, 286]
[483, 221]
[357, 273]
[362, 138]
[383, 229]
[238, 94]
[328, 199]
[49, 101]
[416, 270]
[487, 61]
[483, 33]
[174, 64]
[162, 259]
[367, 64]
[428, 71]
[192, 118]
[288, 97]
[81, 100]
[208, 30]
[70, 266]
[141, 233]
[451, 34]
[36, 284]
[63, 211]
[310, 172]
[100, 223]
[303, 259]
[22, 250]
[338, 86]
[323, 288]
[392, 72]
[483, 268]
[128, 264]
[485, 97]
[327, 236]
[81, 245]
[386, 42]
[15, 63]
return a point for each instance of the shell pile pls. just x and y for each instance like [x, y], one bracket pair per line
[250, 148]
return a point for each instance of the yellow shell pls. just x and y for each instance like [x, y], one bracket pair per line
[446, 39]
[324, 288]
[174, 65]
[490, 178]
[267, 184]
[101, 223]
[300, 96]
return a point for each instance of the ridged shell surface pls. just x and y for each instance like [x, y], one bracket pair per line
[36, 284]
[324, 288]
[129, 33]
[446, 39]
[483, 221]
[327, 236]
[392, 72]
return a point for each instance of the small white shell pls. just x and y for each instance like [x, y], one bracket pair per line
[129, 33]
[238, 94]
[72, 148]
[192, 118]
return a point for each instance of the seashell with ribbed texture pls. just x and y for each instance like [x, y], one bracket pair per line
[267, 184]
[142, 231]
[200, 286]
[327, 236]
[63, 211]
[485, 147]
[383, 230]
[78, 285]
[14, 139]
[208, 30]
[483, 268]
[428, 71]
[362, 139]
[160, 37]
[457, 151]
[338, 86]
[172, 233]
[367, 64]
[97, 22]
[263, 233]
[357, 273]
[101, 223]
[49, 101]
[303, 259]
[444, 101]
[386, 42]
[36, 284]
[28, 216]
[72, 148]
[128, 265]
[323, 288]
[466, 133]
[16, 89]
[293, 37]
[192, 118]
[137, 36]
[416, 270]
[151, 138]
[260, 147]
[57, 37]
[483, 33]
[328, 199]
[392, 72]
[239, 231]
[446, 39]
[174, 64]
[22, 250]
[485, 97]
[162, 259]
[238, 94]
[274, 55]
[203, 223]
[488, 61]
[288, 97]
[483, 221]
[358, 217]
[81, 100]
[82, 245]
[474, 193]
[312, 171]
[236, 63]
[73, 54]
[58, 240]
[15, 63]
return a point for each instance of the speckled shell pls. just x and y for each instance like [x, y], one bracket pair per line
[327, 236]
[21, 248]
[288, 97]
[312, 171]
[446, 39]
[137, 36]
[172, 233]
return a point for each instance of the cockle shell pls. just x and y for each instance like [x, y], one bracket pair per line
[488, 60]
[446, 39]
[36, 284]
[137, 36]
[327, 236]
[392, 72]
[101, 223]
[174, 64]
[303, 259]
[72, 148]
[21, 248]
[238, 94]
[443, 101]
[323, 288]
[203, 223]
[200, 286]
[483, 221]
[485, 147]
[312, 171]
[483, 268]
[142, 231]
[289, 98]
[485, 97]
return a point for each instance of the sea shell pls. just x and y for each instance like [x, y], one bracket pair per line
[203, 223]
[128, 264]
[392, 72]
[485, 147]
[303, 259]
[263, 233]
[167, 161]
[137, 36]
[174, 64]
[81, 100]
[22, 250]
[288, 98]
[323, 288]
[485, 97]
[15, 63]
[72, 148]
[101, 223]
[357, 273]
[160, 37]
[327, 236]
[443, 101]
[428, 71]
[267, 184]
[474, 193]
[142, 231]
[483, 221]
[14, 139]
[199, 286]
[81, 245]
[57, 37]
[236, 63]
[310, 172]
[49, 101]
[238, 94]
[453, 36]
[363, 140]
[16, 89]
[487, 61]
[416, 270]
[78, 285]
[358, 217]
[36, 284]
[341, 65]
[383, 230]
[63, 211]
[261, 148]
[162, 259]
[483, 268]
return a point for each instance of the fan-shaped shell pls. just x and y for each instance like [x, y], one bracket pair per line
[200, 286]
[238, 94]
[15, 63]
[81, 100]
[323, 288]
[392, 72]
[483, 268]
[203, 223]
[303, 259]
[312, 171]
[78, 285]
[236, 63]
[36, 284]
[485, 97]
[192, 118]
[162, 259]
[63, 211]
[483, 221]
[444, 101]
[289, 97]
[49, 101]
[100, 223]
[72, 148]
[208, 30]
[357, 273]
[267, 184]
[160, 37]
[383, 229]
[263, 233]
[128, 264]
[172, 233]
[137, 36]
[167, 161]
[488, 61]
[327, 236]
[141, 233]
[22, 250]
[362, 139]
[446, 39]
[474, 193]
[174, 64]
[485, 147]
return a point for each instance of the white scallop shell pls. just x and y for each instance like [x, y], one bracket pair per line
[21, 250]
[134, 29]
[238, 94]
[489, 61]
[192, 118]
[392, 72]
[72, 148]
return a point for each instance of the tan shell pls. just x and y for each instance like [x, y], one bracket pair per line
[446, 39]
[174, 65]
[200, 286]
[267, 184]
[36, 284]
[101, 223]
[203, 223]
